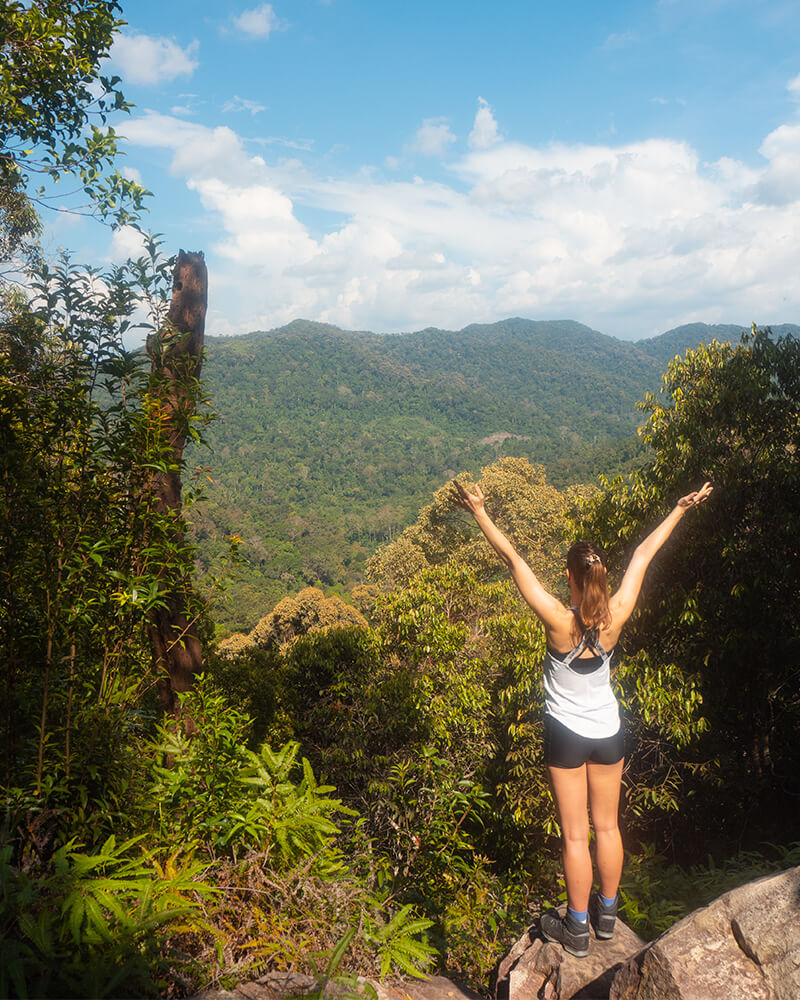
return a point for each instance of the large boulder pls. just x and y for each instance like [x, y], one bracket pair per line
[743, 946]
[539, 969]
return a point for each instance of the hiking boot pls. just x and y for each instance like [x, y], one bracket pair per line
[602, 917]
[567, 931]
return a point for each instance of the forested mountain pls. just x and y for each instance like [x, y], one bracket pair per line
[329, 441]
[664, 347]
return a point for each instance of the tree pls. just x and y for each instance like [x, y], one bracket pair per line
[54, 108]
[84, 541]
[722, 601]
[522, 502]
[176, 353]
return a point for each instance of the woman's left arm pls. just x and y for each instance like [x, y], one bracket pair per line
[624, 600]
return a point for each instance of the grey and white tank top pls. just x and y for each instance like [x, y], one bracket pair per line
[578, 692]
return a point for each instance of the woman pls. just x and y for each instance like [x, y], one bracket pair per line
[584, 750]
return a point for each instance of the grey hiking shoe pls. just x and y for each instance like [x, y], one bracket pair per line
[602, 917]
[568, 932]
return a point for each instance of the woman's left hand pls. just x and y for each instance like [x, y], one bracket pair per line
[697, 497]
[473, 502]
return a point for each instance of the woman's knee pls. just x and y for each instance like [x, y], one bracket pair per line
[576, 835]
[607, 831]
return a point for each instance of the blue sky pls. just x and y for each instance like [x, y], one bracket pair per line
[392, 166]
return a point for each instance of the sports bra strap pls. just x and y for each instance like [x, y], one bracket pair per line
[589, 640]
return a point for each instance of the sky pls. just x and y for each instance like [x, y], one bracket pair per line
[395, 166]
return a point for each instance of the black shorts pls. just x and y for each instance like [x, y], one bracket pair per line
[563, 748]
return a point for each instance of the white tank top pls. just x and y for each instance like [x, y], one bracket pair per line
[581, 697]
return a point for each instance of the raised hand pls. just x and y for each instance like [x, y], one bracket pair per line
[473, 502]
[697, 497]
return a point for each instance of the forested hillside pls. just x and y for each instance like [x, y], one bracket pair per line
[349, 789]
[330, 441]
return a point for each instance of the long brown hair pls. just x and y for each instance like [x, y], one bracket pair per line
[587, 567]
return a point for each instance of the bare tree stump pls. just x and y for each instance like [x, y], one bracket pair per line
[176, 354]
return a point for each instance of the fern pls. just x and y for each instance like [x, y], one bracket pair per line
[87, 929]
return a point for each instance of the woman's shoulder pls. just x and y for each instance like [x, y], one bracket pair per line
[561, 627]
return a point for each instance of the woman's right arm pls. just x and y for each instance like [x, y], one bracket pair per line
[624, 600]
[543, 603]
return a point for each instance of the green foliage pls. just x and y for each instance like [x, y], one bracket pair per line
[423, 726]
[215, 792]
[662, 707]
[655, 894]
[99, 923]
[84, 545]
[480, 921]
[523, 505]
[54, 108]
[721, 601]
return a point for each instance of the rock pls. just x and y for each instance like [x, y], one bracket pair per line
[277, 985]
[534, 968]
[435, 988]
[746, 944]
[272, 986]
[286, 985]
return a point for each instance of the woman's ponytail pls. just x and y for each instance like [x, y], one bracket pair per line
[586, 565]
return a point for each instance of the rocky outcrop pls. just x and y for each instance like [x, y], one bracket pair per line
[536, 969]
[746, 944]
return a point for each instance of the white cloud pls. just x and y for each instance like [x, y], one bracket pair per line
[259, 22]
[620, 40]
[629, 237]
[433, 137]
[132, 174]
[793, 86]
[779, 183]
[237, 103]
[151, 60]
[484, 131]
[303, 145]
[126, 242]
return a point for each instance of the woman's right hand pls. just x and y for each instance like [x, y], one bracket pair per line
[473, 502]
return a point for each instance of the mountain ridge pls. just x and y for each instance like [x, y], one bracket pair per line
[686, 331]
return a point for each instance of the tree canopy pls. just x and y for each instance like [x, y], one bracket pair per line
[722, 601]
[54, 109]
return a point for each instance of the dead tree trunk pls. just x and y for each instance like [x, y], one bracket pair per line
[176, 353]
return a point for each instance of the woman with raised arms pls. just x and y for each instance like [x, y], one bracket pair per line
[583, 738]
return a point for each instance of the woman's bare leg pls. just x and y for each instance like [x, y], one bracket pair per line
[569, 788]
[605, 781]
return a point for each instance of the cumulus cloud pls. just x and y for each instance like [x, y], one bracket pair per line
[779, 183]
[259, 22]
[629, 237]
[433, 137]
[151, 60]
[793, 86]
[484, 130]
[126, 242]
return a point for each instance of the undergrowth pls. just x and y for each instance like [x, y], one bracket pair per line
[655, 894]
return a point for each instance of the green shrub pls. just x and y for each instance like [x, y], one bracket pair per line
[88, 927]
